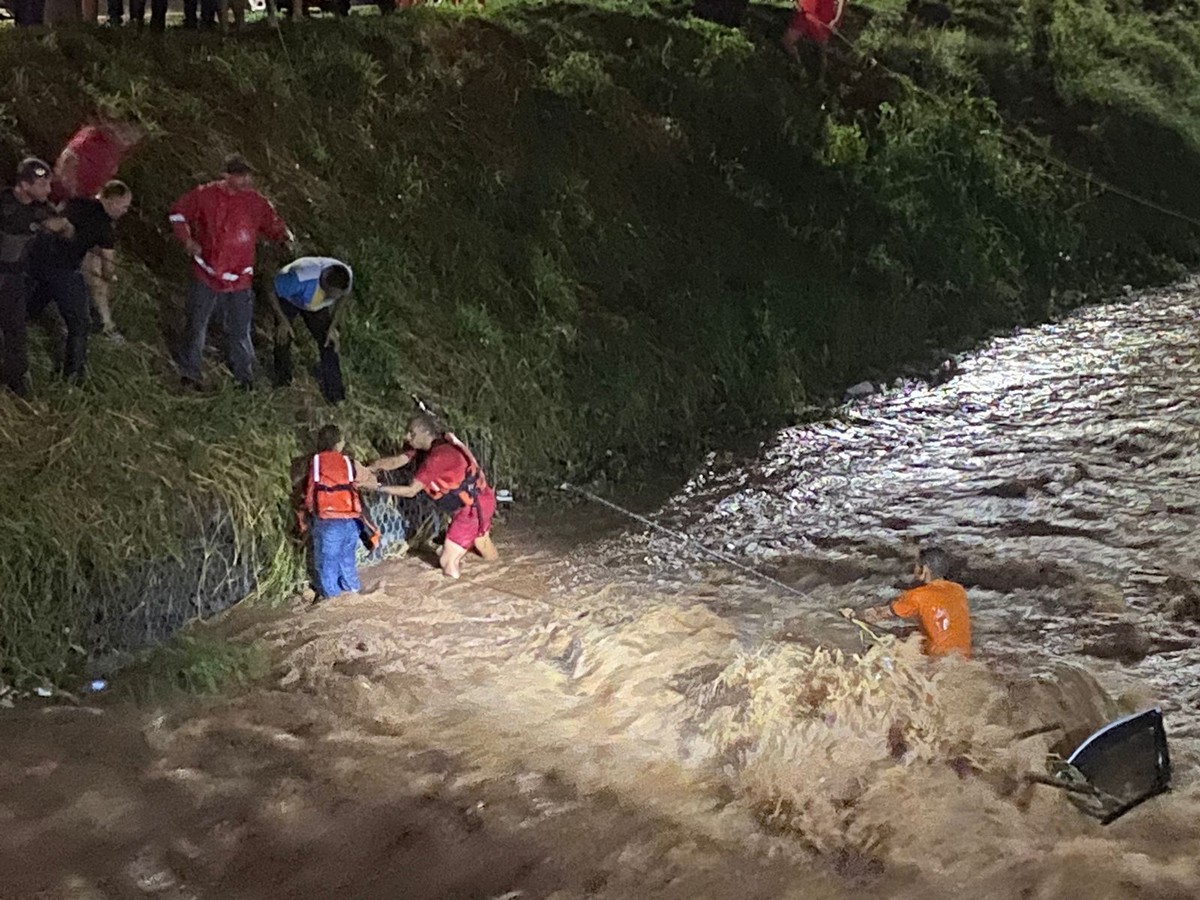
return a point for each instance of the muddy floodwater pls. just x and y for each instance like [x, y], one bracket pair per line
[1061, 468]
[620, 716]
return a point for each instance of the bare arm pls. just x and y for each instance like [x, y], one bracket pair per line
[335, 320]
[68, 171]
[60, 226]
[871, 615]
[391, 463]
[108, 265]
[407, 492]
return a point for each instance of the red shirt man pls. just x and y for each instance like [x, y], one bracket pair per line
[815, 21]
[219, 224]
[92, 158]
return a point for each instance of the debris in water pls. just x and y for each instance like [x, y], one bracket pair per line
[860, 390]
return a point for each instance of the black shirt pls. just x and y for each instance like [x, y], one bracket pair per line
[19, 225]
[93, 228]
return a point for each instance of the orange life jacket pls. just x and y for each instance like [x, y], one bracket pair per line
[332, 493]
[452, 498]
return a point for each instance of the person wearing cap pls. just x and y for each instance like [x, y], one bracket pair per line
[219, 225]
[25, 212]
[91, 160]
[314, 289]
[55, 266]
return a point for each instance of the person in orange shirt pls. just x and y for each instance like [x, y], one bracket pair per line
[940, 606]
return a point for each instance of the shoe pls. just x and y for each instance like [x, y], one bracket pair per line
[115, 336]
[190, 385]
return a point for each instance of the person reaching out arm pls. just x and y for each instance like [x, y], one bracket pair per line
[938, 604]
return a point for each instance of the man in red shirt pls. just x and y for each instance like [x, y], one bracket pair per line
[92, 157]
[938, 604]
[815, 21]
[219, 225]
[448, 473]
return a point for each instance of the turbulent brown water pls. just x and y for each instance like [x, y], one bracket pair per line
[620, 719]
[1061, 468]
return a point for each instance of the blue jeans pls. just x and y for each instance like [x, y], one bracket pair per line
[235, 311]
[335, 541]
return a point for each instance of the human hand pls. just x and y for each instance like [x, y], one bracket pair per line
[192, 247]
[333, 340]
[284, 333]
[59, 225]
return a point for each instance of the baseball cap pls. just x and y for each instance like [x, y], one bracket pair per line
[32, 169]
[236, 164]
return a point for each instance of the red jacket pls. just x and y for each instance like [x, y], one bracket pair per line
[227, 225]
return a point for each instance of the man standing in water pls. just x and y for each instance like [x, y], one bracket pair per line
[940, 606]
[449, 474]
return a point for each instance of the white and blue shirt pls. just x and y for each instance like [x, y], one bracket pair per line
[299, 282]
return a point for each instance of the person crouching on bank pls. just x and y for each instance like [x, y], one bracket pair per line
[449, 474]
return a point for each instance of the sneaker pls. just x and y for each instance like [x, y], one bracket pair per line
[190, 385]
[115, 336]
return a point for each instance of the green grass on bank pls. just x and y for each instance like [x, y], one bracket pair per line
[599, 236]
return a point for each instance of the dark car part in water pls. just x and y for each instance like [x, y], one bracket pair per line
[1119, 767]
[1125, 763]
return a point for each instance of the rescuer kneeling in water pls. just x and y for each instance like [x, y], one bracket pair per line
[940, 606]
[452, 478]
[334, 508]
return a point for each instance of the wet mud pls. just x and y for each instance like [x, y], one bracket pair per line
[618, 718]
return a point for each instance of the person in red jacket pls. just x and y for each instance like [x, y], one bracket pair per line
[448, 473]
[815, 21]
[219, 225]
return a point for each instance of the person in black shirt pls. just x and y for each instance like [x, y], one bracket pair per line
[24, 215]
[55, 264]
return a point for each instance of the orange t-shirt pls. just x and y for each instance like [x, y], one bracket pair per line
[945, 616]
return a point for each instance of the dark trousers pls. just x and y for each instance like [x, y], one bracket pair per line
[137, 12]
[65, 288]
[14, 339]
[235, 312]
[208, 13]
[329, 368]
[30, 12]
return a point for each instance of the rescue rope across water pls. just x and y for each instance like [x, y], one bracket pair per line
[687, 539]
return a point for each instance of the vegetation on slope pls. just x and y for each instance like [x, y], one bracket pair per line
[596, 235]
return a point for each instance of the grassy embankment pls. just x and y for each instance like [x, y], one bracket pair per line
[597, 236]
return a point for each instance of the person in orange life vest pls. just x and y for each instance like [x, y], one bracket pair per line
[449, 474]
[334, 510]
[938, 604]
[219, 224]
